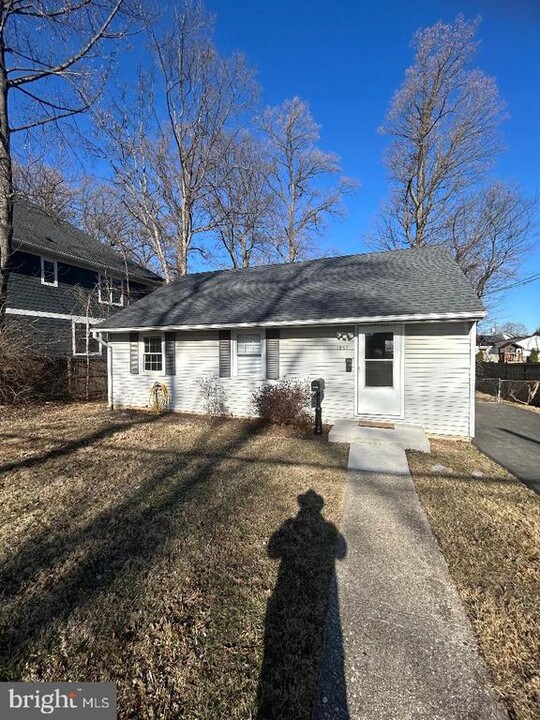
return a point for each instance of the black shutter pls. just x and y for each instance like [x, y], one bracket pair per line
[170, 353]
[134, 353]
[224, 353]
[272, 354]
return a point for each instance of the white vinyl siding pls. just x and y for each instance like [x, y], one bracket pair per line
[308, 353]
[437, 376]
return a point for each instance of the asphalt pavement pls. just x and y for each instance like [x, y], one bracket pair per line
[511, 436]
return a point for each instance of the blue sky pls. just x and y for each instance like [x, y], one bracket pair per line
[346, 58]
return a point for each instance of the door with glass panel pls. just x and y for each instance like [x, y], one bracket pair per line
[379, 370]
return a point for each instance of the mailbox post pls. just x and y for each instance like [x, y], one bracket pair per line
[317, 388]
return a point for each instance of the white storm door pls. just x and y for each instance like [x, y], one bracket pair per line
[380, 352]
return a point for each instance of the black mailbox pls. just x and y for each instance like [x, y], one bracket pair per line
[317, 385]
[348, 364]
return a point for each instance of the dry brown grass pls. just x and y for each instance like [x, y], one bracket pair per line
[134, 549]
[489, 530]
[484, 397]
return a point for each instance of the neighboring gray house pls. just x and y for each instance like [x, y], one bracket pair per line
[63, 281]
[393, 334]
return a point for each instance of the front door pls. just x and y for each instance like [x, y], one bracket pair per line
[379, 370]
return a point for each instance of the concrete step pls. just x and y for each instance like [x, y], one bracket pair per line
[407, 437]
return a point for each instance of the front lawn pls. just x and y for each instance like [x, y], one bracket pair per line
[489, 529]
[135, 549]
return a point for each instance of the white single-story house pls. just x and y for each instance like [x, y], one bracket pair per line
[393, 334]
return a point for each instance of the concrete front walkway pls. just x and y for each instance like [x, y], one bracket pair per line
[398, 644]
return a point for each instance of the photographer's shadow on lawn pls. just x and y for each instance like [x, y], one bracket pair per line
[308, 546]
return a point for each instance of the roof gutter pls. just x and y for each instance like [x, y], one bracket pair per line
[370, 319]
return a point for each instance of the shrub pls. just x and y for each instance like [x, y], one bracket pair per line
[214, 396]
[533, 357]
[284, 403]
[27, 371]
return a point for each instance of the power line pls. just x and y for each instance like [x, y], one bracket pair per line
[518, 283]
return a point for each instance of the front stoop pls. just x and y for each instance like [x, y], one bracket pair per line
[406, 437]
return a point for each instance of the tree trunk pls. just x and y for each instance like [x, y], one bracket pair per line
[6, 188]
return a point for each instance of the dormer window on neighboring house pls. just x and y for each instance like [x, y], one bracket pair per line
[111, 290]
[49, 272]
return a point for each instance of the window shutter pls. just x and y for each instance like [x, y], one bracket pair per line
[170, 353]
[224, 353]
[272, 354]
[134, 353]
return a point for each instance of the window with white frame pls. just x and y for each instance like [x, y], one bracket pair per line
[84, 343]
[153, 353]
[111, 290]
[49, 272]
[248, 358]
[248, 344]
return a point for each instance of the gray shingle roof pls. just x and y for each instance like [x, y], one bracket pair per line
[39, 233]
[401, 282]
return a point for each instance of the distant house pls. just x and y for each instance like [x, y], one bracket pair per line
[489, 345]
[518, 350]
[63, 281]
[392, 334]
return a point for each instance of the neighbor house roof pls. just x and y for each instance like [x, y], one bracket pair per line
[526, 343]
[490, 339]
[421, 283]
[38, 232]
[530, 343]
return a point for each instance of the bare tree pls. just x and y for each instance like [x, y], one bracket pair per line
[241, 204]
[444, 123]
[134, 145]
[489, 234]
[104, 215]
[52, 66]
[298, 178]
[513, 329]
[47, 187]
[166, 144]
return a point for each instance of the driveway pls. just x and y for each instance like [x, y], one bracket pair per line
[511, 437]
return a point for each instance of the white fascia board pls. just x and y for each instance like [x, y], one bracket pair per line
[52, 315]
[368, 320]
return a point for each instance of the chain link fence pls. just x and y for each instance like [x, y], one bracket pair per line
[520, 391]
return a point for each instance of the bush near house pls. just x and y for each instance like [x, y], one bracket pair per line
[283, 403]
[27, 372]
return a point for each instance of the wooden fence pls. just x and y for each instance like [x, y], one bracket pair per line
[86, 379]
[508, 371]
[517, 382]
